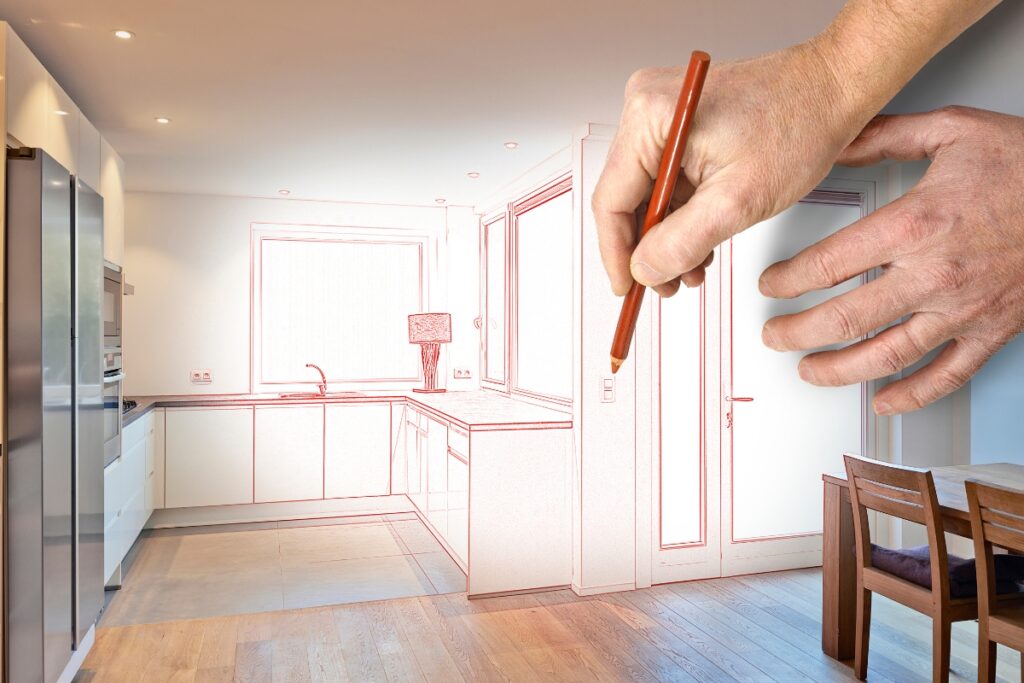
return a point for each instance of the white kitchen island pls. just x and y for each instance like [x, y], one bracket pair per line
[490, 476]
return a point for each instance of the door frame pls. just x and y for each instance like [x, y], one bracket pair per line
[876, 187]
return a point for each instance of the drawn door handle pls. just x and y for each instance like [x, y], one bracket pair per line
[478, 322]
[739, 399]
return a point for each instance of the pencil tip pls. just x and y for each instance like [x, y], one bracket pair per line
[616, 364]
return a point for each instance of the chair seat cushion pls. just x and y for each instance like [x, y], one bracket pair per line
[915, 565]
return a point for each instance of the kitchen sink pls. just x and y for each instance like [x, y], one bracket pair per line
[308, 395]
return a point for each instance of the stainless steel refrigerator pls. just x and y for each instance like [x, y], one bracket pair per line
[54, 378]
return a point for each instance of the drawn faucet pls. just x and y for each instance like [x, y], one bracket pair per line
[323, 378]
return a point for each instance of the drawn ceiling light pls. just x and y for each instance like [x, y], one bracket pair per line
[430, 330]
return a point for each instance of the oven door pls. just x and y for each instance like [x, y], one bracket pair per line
[112, 417]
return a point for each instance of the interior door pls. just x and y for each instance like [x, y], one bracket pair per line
[779, 433]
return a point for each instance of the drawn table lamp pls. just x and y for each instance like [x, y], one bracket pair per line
[430, 330]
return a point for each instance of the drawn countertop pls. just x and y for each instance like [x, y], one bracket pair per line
[471, 410]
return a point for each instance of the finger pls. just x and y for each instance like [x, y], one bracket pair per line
[668, 289]
[870, 242]
[844, 317]
[949, 371]
[623, 185]
[907, 137]
[885, 354]
[686, 236]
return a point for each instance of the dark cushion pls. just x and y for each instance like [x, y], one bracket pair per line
[915, 565]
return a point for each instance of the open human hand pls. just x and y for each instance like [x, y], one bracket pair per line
[951, 251]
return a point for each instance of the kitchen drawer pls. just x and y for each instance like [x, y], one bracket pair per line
[457, 532]
[458, 440]
[136, 432]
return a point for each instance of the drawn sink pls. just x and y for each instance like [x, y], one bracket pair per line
[310, 395]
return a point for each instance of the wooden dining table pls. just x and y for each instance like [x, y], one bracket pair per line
[839, 565]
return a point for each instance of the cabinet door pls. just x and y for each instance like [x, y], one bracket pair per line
[437, 475]
[88, 153]
[415, 462]
[289, 453]
[457, 533]
[133, 511]
[27, 83]
[112, 190]
[209, 456]
[113, 500]
[155, 464]
[357, 450]
[61, 127]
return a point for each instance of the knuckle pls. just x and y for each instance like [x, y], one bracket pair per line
[947, 275]
[844, 319]
[888, 356]
[637, 80]
[823, 267]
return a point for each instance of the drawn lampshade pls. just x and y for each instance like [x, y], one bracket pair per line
[430, 330]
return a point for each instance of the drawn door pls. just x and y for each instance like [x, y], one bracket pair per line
[779, 433]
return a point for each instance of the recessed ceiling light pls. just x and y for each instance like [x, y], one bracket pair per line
[511, 144]
[440, 200]
[162, 119]
[123, 34]
[60, 112]
[284, 193]
[473, 174]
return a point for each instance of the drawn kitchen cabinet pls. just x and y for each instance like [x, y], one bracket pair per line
[415, 454]
[289, 453]
[457, 533]
[437, 475]
[209, 456]
[357, 450]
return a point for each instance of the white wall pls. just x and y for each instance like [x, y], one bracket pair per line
[188, 258]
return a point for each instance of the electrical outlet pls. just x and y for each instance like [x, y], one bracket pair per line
[203, 376]
[462, 373]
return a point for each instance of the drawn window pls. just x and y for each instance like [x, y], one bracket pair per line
[338, 300]
[494, 307]
[543, 290]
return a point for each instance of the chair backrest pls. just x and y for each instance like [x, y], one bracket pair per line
[997, 519]
[904, 492]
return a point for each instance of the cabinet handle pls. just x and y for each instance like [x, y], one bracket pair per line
[739, 399]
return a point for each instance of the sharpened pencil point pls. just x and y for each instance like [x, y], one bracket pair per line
[616, 364]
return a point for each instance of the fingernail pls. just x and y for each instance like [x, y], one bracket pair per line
[765, 288]
[768, 337]
[644, 274]
[807, 373]
[883, 408]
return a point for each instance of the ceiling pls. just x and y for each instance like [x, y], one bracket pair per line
[370, 100]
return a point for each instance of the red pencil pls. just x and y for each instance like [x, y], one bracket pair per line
[664, 186]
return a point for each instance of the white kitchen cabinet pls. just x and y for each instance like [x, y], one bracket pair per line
[27, 86]
[155, 463]
[415, 455]
[357, 450]
[437, 475]
[209, 456]
[61, 126]
[114, 498]
[289, 453]
[111, 188]
[457, 532]
[88, 153]
[125, 492]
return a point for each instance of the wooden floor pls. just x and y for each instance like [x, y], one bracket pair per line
[755, 628]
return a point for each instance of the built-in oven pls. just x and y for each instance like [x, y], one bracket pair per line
[112, 299]
[113, 379]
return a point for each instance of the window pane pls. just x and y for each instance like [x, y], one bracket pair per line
[340, 304]
[494, 291]
[682, 448]
[544, 275]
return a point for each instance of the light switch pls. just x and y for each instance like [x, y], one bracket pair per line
[607, 390]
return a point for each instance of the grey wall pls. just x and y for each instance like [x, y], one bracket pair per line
[983, 68]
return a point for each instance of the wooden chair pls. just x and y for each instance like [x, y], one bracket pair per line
[997, 520]
[906, 493]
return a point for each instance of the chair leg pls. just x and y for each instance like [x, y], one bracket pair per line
[942, 629]
[986, 654]
[860, 657]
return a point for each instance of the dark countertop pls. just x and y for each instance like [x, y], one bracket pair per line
[472, 410]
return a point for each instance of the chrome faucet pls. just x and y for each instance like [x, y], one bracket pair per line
[323, 378]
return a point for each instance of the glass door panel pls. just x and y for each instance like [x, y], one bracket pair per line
[495, 310]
